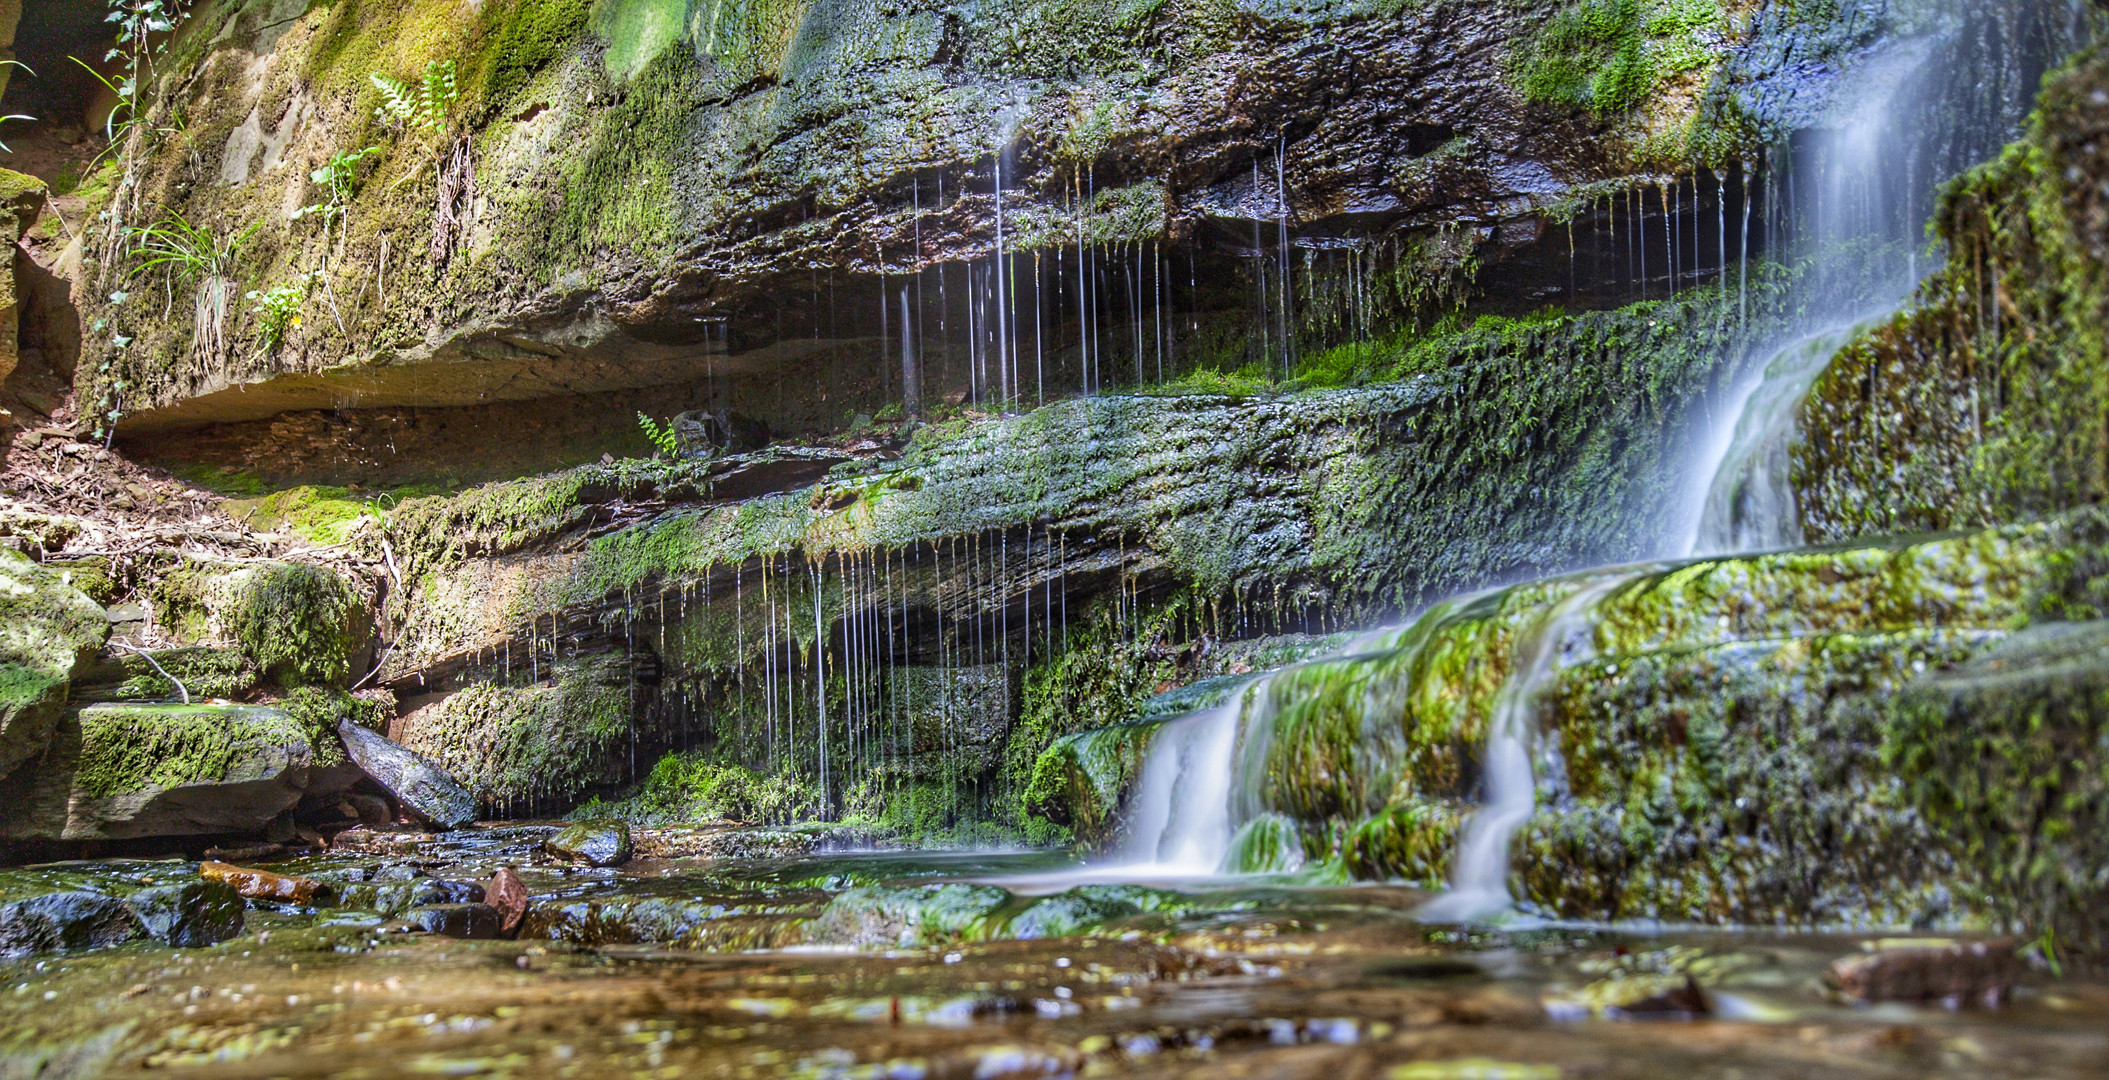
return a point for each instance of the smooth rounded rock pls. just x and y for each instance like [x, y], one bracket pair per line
[420, 786]
[595, 843]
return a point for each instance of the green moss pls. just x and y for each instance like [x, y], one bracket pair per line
[1409, 841]
[205, 671]
[697, 787]
[299, 623]
[536, 33]
[536, 745]
[1985, 400]
[45, 622]
[132, 748]
[320, 515]
[2003, 758]
[1610, 56]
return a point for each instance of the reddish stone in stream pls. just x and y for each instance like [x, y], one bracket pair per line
[1983, 972]
[261, 884]
[508, 894]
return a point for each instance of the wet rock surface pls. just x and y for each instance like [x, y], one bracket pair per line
[594, 843]
[67, 907]
[423, 788]
[652, 967]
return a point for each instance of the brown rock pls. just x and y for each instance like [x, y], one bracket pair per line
[384, 839]
[261, 884]
[508, 894]
[1956, 972]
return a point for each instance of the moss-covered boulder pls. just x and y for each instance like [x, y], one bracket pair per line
[296, 623]
[525, 742]
[1785, 737]
[118, 771]
[2006, 758]
[48, 630]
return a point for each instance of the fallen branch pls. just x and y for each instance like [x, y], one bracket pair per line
[149, 658]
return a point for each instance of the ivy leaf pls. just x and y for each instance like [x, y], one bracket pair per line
[120, 341]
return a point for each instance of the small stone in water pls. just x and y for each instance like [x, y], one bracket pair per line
[1928, 970]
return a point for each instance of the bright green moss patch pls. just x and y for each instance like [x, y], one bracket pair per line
[1610, 56]
[319, 515]
[299, 623]
[132, 748]
[697, 787]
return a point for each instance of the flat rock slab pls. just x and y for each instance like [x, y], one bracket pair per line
[723, 842]
[423, 788]
[123, 771]
[86, 906]
[595, 843]
[385, 839]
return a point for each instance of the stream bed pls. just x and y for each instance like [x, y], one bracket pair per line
[912, 964]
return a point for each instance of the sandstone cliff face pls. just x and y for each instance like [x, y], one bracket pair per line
[641, 192]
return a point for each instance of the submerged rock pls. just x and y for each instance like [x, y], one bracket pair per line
[80, 906]
[420, 786]
[262, 884]
[475, 922]
[117, 771]
[49, 630]
[1981, 972]
[595, 843]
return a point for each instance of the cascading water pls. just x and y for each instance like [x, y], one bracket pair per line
[1479, 870]
[1927, 105]
[1924, 107]
[1182, 821]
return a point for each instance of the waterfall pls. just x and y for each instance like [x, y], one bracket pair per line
[1182, 822]
[1923, 107]
[1479, 871]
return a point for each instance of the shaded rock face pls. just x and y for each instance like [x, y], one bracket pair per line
[48, 630]
[123, 771]
[420, 786]
[655, 188]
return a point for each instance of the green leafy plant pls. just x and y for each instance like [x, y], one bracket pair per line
[277, 310]
[422, 106]
[14, 116]
[338, 178]
[192, 254]
[661, 435]
[144, 28]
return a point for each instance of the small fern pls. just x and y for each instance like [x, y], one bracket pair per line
[423, 106]
[661, 435]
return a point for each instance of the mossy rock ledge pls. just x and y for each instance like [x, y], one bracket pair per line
[640, 167]
[119, 771]
[1835, 737]
[49, 630]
